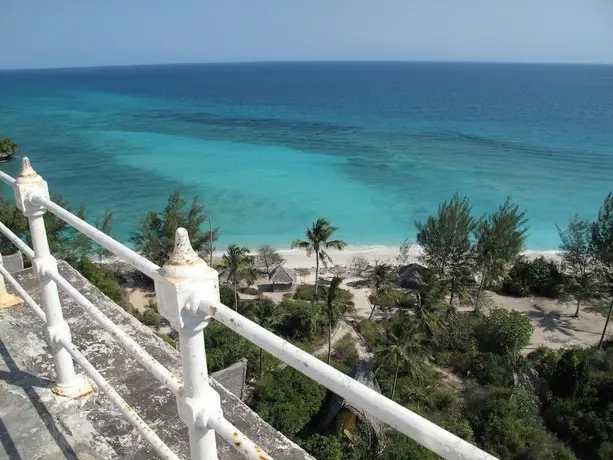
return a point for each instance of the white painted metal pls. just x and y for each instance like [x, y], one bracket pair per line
[23, 247]
[166, 377]
[132, 417]
[421, 430]
[238, 440]
[8, 180]
[188, 294]
[184, 276]
[158, 445]
[29, 184]
[144, 265]
[148, 362]
[3, 293]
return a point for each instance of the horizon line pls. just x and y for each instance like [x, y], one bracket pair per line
[313, 61]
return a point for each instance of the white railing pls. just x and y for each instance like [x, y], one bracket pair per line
[187, 290]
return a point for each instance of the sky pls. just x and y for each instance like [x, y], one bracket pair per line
[74, 33]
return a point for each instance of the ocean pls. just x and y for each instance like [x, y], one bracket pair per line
[270, 147]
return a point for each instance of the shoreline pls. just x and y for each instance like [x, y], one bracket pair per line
[297, 258]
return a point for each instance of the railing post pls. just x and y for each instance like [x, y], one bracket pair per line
[185, 280]
[28, 186]
[7, 299]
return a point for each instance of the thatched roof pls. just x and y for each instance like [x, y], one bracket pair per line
[363, 373]
[283, 275]
[411, 276]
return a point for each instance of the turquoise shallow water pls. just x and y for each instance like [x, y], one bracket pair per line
[271, 147]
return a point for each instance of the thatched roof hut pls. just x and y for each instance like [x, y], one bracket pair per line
[282, 276]
[411, 276]
[343, 415]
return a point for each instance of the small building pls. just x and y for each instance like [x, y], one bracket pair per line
[411, 276]
[282, 278]
[342, 416]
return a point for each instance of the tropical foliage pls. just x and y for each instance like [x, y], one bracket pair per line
[446, 242]
[579, 261]
[268, 259]
[155, 237]
[499, 239]
[240, 265]
[318, 241]
[8, 148]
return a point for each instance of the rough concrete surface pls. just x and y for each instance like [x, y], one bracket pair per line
[36, 424]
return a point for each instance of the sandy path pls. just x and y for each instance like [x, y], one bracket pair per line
[553, 321]
[341, 330]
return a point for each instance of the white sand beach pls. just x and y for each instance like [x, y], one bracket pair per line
[297, 258]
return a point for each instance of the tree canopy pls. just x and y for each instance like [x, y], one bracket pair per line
[240, 265]
[579, 260]
[8, 148]
[317, 241]
[268, 259]
[499, 239]
[155, 237]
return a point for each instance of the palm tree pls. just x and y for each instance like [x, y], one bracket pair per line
[403, 349]
[265, 314]
[381, 276]
[317, 241]
[332, 290]
[240, 265]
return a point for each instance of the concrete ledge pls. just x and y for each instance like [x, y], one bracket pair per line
[34, 423]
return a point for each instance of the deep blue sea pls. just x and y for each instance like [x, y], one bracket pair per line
[271, 147]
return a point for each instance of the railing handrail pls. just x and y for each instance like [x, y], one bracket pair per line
[142, 427]
[192, 302]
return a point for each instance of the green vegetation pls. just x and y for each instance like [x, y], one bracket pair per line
[240, 266]
[64, 241]
[287, 399]
[446, 243]
[102, 278]
[499, 239]
[579, 261]
[602, 245]
[331, 297]
[540, 277]
[8, 148]
[382, 276]
[463, 370]
[155, 237]
[268, 259]
[317, 241]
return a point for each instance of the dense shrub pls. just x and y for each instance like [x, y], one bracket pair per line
[506, 422]
[581, 411]
[166, 338]
[226, 294]
[371, 332]
[287, 400]
[301, 320]
[345, 351]
[322, 447]
[391, 298]
[491, 369]
[343, 300]
[503, 332]
[539, 277]
[224, 347]
[100, 277]
[149, 318]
